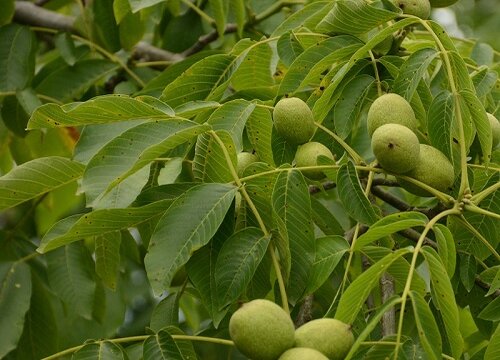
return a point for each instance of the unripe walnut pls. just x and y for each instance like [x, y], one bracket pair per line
[396, 148]
[442, 3]
[390, 109]
[419, 8]
[331, 337]
[261, 330]
[433, 169]
[302, 353]
[495, 129]
[293, 120]
[245, 159]
[307, 155]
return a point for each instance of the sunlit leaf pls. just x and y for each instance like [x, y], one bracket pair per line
[353, 298]
[100, 110]
[36, 178]
[389, 225]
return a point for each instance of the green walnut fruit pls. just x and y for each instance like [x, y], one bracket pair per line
[307, 155]
[245, 159]
[433, 168]
[331, 337]
[396, 148]
[442, 3]
[261, 330]
[495, 129]
[301, 353]
[390, 109]
[293, 120]
[419, 8]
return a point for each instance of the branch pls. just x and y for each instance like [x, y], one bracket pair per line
[28, 13]
[304, 314]
[207, 39]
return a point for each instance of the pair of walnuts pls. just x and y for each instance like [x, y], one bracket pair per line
[262, 330]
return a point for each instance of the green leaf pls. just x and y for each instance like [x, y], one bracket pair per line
[66, 47]
[7, 13]
[352, 196]
[187, 225]
[484, 81]
[348, 108]
[120, 9]
[412, 71]
[428, 331]
[492, 311]
[353, 298]
[100, 222]
[259, 127]
[197, 82]
[70, 82]
[104, 24]
[314, 11]
[324, 219]
[107, 258]
[138, 5]
[444, 300]
[260, 190]
[354, 17]
[495, 283]
[156, 85]
[232, 117]
[292, 205]
[195, 107]
[162, 346]
[102, 350]
[201, 272]
[238, 9]
[327, 99]
[372, 324]
[306, 61]
[446, 248]
[219, 12]
[439, 122]
[237, 261]
[390, 224]
[71, 277]
[493, 350]
[468, 268]
[35, 178]
[131, 30]
[398, 270]
[40, 334]
[481, 123]
[15, 294]
[17, 56]
[131, 151]
[255, 69]
[94, 137]
[289, 48]
[165, 313]
[209, 163]
[100, 110]
[329, 252]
